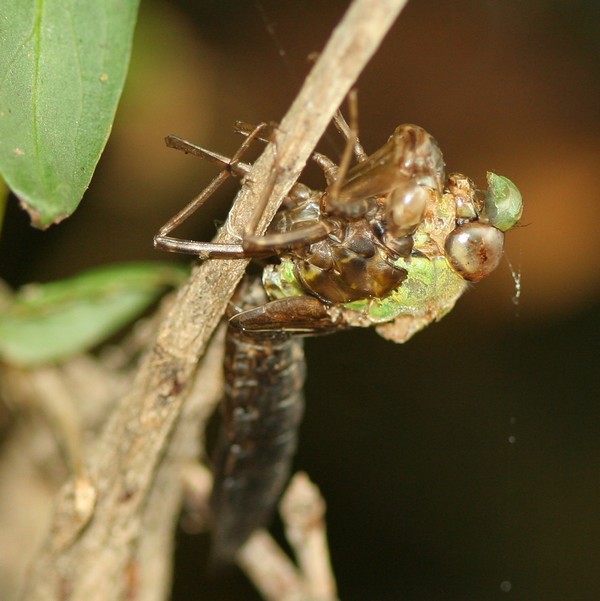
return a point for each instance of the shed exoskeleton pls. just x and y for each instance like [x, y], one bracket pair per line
[390, 242]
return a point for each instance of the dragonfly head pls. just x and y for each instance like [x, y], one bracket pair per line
[474, 248]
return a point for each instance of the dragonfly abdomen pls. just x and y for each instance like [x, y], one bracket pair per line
[261, 412]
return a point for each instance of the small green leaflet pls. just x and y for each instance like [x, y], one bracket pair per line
[62, 70]
[45, 323]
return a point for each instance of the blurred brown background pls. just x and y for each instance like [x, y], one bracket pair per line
[469, 458]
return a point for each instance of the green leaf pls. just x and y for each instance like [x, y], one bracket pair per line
[62, 69]
[3, 199]
[45, 323]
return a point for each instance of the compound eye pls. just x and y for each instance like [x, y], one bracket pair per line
[503, 203]
[474, 250]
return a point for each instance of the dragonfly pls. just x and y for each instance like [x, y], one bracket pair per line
[391, 242]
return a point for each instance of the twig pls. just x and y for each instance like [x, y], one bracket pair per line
[101, 558]
[155, 554]
[303, 512]
[271, 570]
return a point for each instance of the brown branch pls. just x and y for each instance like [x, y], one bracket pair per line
[98, 555]
[303, 513]
[155, 553]
[270, 569]
[302, 510]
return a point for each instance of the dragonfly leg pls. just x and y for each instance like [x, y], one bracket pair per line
[232, 165]
[271, 244]
[246, 129]
[300, 315]
[329, 168]
[350, 132]
[229, 167]
[335, 176]
[253, 245]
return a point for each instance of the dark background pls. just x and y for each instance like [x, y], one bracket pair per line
[470, 457]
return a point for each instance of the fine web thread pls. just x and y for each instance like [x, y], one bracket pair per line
[281, 51]
[291, 73]
[516, 276]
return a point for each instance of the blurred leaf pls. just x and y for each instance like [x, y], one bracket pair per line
[50, 322]
[3, 199]
[62, 70]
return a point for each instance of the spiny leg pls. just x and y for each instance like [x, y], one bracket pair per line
[325, 163]
[253, 245]
[245, 129]
[193, 247]
[331, 171]
[271, 244]
[256, 245]
[350, 132]
[229, 167]
[296, 315]
[225, 163]
[334, 176]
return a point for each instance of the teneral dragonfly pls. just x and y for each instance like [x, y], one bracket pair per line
[391, 243]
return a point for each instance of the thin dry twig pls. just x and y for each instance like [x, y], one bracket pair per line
[303, 512]
[101, 557]
[271, 570]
